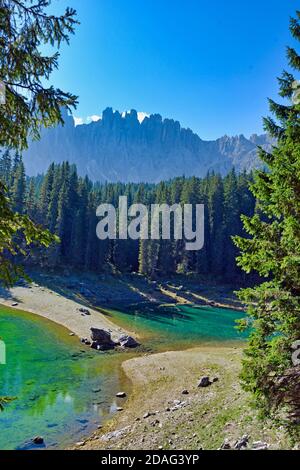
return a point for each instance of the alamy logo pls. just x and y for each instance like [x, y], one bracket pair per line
[2, 353]
[2, 93]
[296, 93]
[137, 222]
[296, 353]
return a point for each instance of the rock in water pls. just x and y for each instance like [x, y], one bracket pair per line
[128, 342]
[204, 382]
[38, 440]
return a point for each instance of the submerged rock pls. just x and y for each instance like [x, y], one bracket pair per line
[35, 443]
[38, 440]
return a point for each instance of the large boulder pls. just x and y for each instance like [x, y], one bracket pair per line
[128, 342]
[102, 340]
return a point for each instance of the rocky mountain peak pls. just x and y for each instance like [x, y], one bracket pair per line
[120, 147]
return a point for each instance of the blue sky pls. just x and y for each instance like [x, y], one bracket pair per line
[210, 65]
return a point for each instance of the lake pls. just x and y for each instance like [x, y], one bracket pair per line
[64, 390]
[180, 327]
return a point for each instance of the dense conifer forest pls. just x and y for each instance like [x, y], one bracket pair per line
[65, 203]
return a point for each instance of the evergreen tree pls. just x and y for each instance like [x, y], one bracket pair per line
[231, 224]
[6, 168]
[45, 194]
[216, 216]
[67, 206]
[30, 201]
[24, 29]
[79, 226]
[94, 260]
[19, 186]
[273, 251]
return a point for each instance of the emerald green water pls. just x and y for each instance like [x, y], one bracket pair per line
[180, 327]
[64, 390]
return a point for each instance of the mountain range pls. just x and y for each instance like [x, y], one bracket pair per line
[120, 147]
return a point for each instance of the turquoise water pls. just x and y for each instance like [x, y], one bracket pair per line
[182, 326]
[64, 390]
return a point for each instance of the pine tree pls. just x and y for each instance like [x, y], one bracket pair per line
[80, 223]
[30, 201]
[231, 224]
[19, 186]
[93, 260]
[6, 168]
[24, 29]
[45, 194]
[203, 256]
[272, 250]
[216, 215]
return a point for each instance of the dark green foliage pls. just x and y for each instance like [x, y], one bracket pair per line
[25, 26]
[273, 250]
[17, 232]
[66, 205]
[18, 190]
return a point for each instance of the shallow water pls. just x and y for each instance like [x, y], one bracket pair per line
[64, 390]
[178, 327]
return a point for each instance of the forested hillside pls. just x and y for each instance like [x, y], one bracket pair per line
[66, 204]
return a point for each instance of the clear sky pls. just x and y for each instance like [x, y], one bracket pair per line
[209, 64]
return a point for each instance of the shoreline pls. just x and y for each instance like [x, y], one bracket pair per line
[153, 376]
[168, 411]
[59, 298]
[46, 303]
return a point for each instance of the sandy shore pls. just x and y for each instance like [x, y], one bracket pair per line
[53, 306]
[59, 298]
[158, 415]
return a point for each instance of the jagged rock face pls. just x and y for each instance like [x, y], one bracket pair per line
[120, 148]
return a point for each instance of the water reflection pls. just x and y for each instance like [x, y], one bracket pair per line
[62, 390]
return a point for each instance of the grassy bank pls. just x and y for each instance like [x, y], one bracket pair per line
[203, 418]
